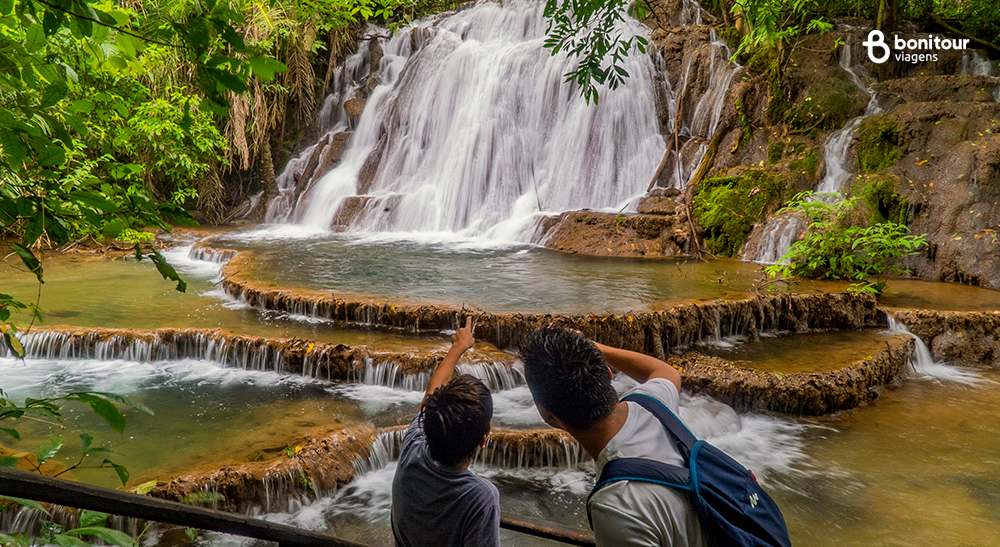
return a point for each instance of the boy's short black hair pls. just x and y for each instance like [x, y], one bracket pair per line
[568, 376]
[456, 417]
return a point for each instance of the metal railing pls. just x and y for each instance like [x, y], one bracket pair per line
[22, 484]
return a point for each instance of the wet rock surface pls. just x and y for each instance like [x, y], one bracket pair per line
[622, 235]
[324, 462]
[748, 390]
[962, 338]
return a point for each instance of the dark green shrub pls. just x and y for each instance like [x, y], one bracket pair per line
[728, 207]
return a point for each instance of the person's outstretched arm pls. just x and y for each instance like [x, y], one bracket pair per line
[639, 366]
[460, 342]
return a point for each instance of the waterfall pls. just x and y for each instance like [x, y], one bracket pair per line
[774, 239]
[768, 243]
[498, 376]
[923, 364]
[836, 147]
[472, 130]
[974, 64]
[700, 119]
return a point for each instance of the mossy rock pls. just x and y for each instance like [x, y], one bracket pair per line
[728, 207]
[880, 144]
[808, 163]
[775, 151]
[827, 110]
[883, 204]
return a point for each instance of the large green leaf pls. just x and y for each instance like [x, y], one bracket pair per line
[167, 271]
[53, 94]
[103, 408]
[31, 504]
[62, 540]
[29, 259]
[266, 67]
[11, 433]
[92, 518]
[48, 450]
[13, 148]
[120, 470]
[114, 537]
[34, 38]
[126, 400]
[51, 156]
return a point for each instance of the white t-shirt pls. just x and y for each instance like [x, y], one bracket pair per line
[628, 513]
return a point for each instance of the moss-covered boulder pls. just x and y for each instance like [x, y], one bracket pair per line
[728, 207]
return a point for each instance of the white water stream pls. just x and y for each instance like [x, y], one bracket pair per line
[479, 133]
[770, 244]
[473, 133]
[923, 364]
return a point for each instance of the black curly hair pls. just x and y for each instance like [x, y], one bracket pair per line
[455, 419]
[568, 376]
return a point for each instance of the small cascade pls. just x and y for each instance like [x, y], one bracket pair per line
[232, 351]
[385, 449]
[974, 64]
[923, 364]
[504, 449]
[697, 97]
[350, 82]
[520, 450]
[208, 254]
[498, 376]
[837, 146]
[768, 243]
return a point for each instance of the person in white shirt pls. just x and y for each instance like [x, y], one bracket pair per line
[570, 380]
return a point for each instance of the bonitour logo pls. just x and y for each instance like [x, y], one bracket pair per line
[879, 51]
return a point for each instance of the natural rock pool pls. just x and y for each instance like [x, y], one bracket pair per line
[853, 478]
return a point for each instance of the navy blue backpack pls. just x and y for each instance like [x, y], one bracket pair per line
[732, 507]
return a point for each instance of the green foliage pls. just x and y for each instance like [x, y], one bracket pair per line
[102, 404]
[746, 126]
[591, 31]
[807, 164]
[827, 110]
[728, 207]
[773, 25]
[775, 151]
[879, 144]
[834, 248]
[881, 201]
[134, 236]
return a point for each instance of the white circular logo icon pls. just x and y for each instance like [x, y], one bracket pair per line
[876, 39]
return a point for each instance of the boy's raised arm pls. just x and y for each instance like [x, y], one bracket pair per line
[461, 341]
[639, 366]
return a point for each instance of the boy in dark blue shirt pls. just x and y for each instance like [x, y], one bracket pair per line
[436, 500]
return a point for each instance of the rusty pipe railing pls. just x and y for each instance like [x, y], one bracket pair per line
[21, 484]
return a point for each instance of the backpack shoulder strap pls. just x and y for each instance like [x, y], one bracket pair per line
[640, 470]
[670, 421]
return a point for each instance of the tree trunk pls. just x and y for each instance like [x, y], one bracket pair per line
[885, 15]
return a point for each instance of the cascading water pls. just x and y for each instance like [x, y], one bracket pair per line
[475, 132]
[923, 364]
[769, 243]
[699, 110]
[835, 154]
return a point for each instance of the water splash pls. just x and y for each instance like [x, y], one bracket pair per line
[923, 364]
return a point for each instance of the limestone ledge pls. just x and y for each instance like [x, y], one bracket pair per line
[652, 332]
[293, 356]
[330, 460]
[960, 338]
[748, 390]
